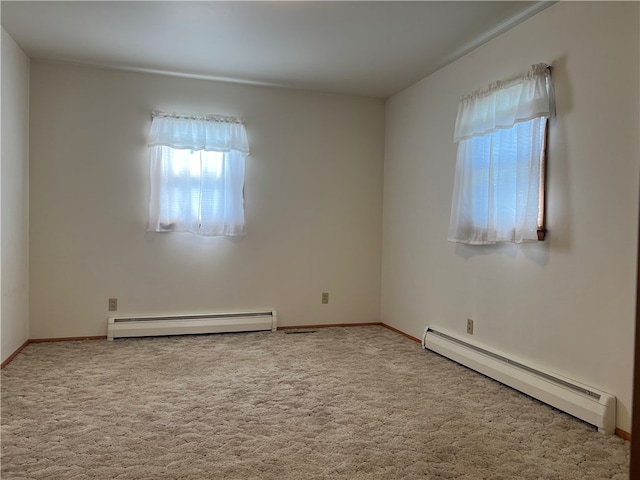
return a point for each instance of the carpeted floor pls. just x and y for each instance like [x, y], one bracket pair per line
[340, 403]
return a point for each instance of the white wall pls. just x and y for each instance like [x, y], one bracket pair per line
[566, 304]
[313, 204]
[14, 327]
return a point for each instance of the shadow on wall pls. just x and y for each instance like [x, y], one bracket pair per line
[538, 252]
[558, 201]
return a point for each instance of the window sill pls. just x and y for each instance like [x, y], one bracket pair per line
[542, 233]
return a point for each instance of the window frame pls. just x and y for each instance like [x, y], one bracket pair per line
[477, 214]
[197, 174]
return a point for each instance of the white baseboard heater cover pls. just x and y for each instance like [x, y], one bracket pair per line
[191, 324]
[593, 406]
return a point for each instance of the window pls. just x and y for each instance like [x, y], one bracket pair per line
[197, 174]
[500, 168]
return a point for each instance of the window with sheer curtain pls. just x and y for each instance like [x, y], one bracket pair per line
[500, 167]
[197, 174]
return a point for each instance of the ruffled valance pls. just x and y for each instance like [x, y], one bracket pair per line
[210, 133]
[503, 104]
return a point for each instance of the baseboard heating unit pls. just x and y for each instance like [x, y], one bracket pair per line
[159, 325]
[593, 406]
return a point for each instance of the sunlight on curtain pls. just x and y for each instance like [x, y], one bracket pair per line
[197, 175]
[501, 136]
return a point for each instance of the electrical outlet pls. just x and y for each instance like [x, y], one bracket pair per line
[325, 298]
[469, 326]
[113, 304]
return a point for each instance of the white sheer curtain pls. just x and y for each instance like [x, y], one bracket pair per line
[501, 135]
[197, 174]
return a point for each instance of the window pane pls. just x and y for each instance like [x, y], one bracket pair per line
[496, 190]
[200, 192]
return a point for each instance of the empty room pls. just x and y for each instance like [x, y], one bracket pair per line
[286, 240]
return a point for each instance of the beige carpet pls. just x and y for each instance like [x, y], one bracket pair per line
[341, 403]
